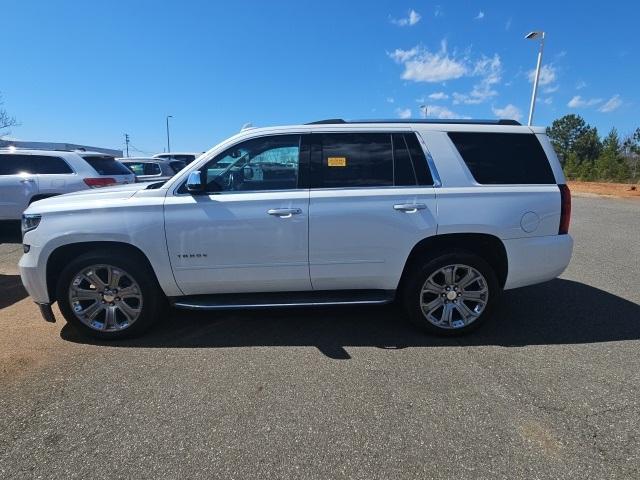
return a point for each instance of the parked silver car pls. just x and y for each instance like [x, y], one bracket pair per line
[152, 169]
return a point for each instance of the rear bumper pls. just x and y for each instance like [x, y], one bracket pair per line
[537, 259]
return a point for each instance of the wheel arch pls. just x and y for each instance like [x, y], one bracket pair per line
[65, 253]
[487, 246]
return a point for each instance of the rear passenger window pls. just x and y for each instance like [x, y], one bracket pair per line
[403, 174]
[503, 158]
[420, 165]
[14, 164]
[354, 160]
[46, 165]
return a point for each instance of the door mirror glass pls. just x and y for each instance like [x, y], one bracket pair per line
[194, 182]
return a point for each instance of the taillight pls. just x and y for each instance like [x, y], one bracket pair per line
[99, 182]
[565, 209]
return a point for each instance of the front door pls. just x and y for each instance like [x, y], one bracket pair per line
[249, 232]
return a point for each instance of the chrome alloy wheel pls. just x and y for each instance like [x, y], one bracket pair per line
[105, 298]
[454, 296]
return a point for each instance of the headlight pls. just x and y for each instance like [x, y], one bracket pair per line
[30, 221]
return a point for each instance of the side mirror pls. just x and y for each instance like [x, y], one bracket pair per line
[195, 184]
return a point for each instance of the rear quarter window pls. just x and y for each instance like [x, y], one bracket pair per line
[106, 165]
[504, 158]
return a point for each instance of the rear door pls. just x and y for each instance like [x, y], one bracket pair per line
[17, 185]
[372, 199]
[54, 174]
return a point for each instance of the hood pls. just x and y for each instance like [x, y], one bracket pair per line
[84, 199]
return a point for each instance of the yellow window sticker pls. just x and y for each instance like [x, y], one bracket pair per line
[336, 161]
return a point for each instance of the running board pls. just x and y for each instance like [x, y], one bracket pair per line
[232, 301]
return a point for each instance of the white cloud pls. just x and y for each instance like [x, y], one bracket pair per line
[551, 89]
[490, 69]
[579, 102]
[612, 104]
[480, 15]
[547, 75]
[421, 65]
[548, 101]
[403, 112]
[438, 12]
[390, 100]
[438, 96]
[507, 26]
[410, 20]
[510, 111]
[581, 84]
[438, 111]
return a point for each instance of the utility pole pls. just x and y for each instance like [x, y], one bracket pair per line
[126, 141]
[168, 142]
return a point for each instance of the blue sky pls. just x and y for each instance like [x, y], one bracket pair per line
[89, 71]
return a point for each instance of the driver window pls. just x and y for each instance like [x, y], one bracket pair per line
[268, 163]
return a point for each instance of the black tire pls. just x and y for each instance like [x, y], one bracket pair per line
[152, 295]
[420, 273]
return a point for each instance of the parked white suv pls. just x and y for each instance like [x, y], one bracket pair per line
[30, 175]
[440, 216]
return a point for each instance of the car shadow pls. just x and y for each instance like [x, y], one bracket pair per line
[10, 231]
[557, 312]
[11, 290]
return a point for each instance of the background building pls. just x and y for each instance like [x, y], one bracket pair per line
[58, 146]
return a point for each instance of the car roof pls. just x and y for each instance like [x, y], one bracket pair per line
[30, 151]
[137, 159]
[157, 155]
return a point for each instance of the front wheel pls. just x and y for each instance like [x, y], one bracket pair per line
[108, 296]
[451, 294]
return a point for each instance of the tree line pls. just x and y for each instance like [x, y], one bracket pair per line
[586, 156]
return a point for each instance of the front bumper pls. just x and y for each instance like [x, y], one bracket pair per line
[34, 277]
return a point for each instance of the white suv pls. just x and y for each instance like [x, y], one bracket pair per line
[439, 216]
[30, 175]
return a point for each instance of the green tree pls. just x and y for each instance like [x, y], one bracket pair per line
[572, 134]
[611, 165]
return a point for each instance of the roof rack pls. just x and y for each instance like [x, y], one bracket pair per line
[452, 121]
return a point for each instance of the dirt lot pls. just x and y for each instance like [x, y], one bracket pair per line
[624, 190]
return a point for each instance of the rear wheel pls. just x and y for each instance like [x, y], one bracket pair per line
[109, 296]
[451, 294]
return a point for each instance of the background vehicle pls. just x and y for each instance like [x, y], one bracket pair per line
[30, 175]
[152, 169]
[441, 216]
[186, 157]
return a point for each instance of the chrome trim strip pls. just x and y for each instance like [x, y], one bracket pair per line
[191, 306]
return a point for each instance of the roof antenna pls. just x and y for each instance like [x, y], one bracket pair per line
[246, 126]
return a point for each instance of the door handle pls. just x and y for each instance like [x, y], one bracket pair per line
[27, 180]
[284, 212]
[409, 207]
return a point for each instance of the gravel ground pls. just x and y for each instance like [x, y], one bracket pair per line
[549, 388]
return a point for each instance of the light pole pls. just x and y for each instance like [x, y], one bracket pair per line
[168, 142]
[535, 36]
